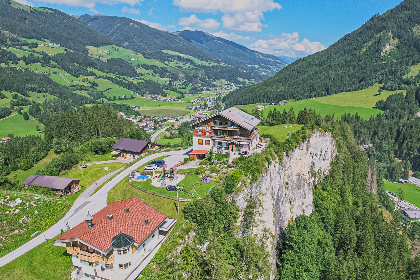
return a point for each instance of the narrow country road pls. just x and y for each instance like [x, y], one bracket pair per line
[156, 134]
[83, 204]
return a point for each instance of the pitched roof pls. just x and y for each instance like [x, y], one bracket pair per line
[51, 182]
[237, 116]
[240, 117]
[130, 145]
[132, 223]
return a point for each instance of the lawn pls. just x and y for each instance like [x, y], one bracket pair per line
[21, 175]
[18, 126]
[173, 141]
[190, 182]
[44, 262]
[279, 131]
[411, 192]
[92, 173]
[104, 157]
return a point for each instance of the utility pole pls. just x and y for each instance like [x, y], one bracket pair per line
[177, 201]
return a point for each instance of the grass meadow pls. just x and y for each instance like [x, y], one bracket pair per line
[411, 192]
[279, 131]
[18, 126]
[361, 102]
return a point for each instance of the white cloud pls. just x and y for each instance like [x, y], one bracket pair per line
[238, 15]
[232, 36]
[132, 11]
[150, 12]
[89, 3]
[157, 25]
[25, 2]
[287, 44]
[194, 21]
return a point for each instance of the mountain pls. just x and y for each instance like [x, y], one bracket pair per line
[17, 20]
[165, 46]
[380, 51]
[234, 53]
[288, 59]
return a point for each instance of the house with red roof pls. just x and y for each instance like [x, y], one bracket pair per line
[118, 241]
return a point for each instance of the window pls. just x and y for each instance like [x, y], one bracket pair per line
[216, 122]
[153, 236]
[219, 132]
[203, 132]
[200, 141]
[207, 142]
[239, 133]
[125, 265]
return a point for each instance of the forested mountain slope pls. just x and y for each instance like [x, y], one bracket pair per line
[381, 51]
[44, 23]
[164, 46]
[234, 53]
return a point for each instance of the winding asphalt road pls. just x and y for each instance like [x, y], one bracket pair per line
[156, 134]
[85, 203]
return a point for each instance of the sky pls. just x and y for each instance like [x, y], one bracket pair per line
[289, 28]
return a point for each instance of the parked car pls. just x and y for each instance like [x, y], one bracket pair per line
[155, 165]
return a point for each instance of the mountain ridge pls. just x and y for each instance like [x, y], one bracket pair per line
[380, 51]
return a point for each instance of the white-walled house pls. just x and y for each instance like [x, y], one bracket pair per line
[117, 242]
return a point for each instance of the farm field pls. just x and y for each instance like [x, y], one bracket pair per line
[156, 108]
[18, 126]
[411, 192]
[279, 131]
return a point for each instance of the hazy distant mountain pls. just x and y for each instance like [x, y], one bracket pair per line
[288, 59]
[234, 53]
[381, 51]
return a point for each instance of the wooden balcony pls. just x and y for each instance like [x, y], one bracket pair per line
[225, 127]
[90, 257]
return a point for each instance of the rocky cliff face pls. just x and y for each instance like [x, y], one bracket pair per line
[286, 190]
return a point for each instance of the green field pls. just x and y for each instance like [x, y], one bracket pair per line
[411, 192]
[361, 102]
[150, 107]
[173, 141]
[18, 126]
[279, 131]
[44, 262]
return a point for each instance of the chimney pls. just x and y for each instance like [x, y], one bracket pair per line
[127, 210]
[146, 221]
[110, 217]
[88, 220]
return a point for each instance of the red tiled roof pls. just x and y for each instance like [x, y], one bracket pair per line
[199, 152]
[131, 223]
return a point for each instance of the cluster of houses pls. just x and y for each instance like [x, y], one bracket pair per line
[152, 123]
[4, 140]
[261, 107]
[157, 97]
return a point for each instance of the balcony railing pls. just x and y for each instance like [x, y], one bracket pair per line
[90, 257]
